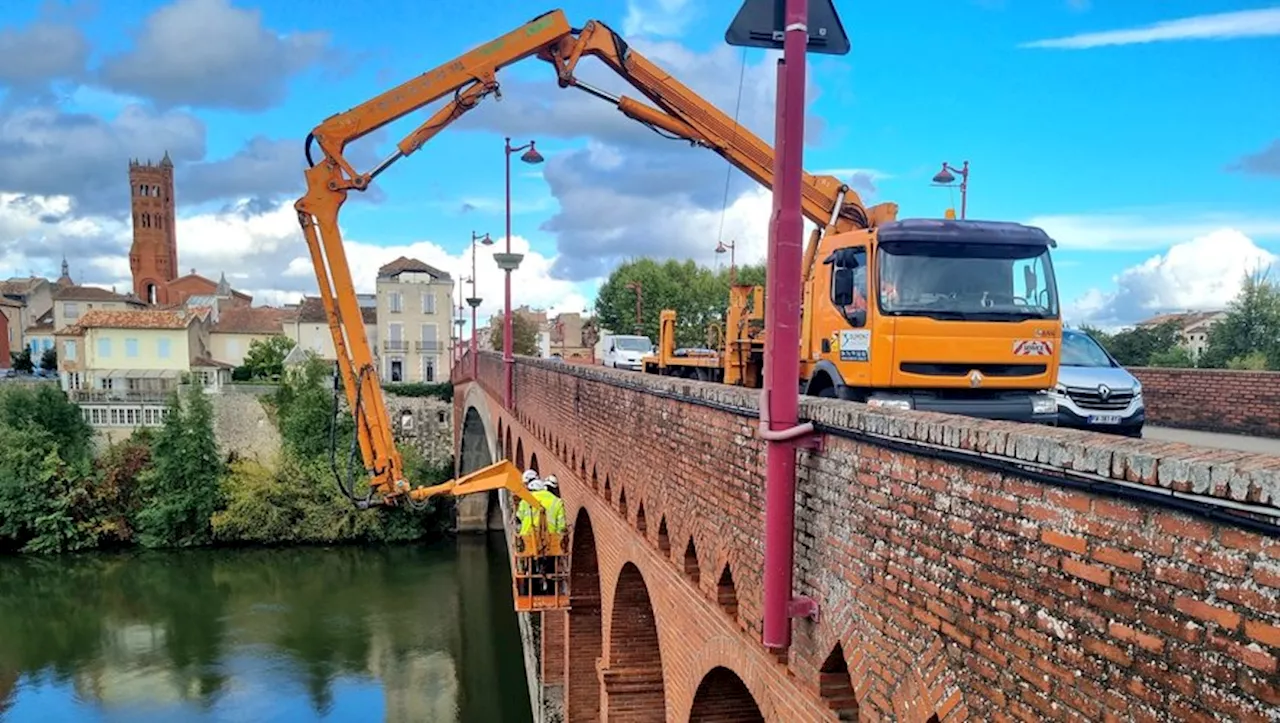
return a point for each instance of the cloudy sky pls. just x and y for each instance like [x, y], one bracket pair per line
[1136, 133]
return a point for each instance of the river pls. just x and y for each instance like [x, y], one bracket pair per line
[412, 633]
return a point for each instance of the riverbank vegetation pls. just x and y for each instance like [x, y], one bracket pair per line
[171, 487]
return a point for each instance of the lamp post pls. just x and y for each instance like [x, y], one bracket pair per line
[474, 301]
[945, 178]
[723, 247]
[636, 286]
[509, 262]
[460, 321]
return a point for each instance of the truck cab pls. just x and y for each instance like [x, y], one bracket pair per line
[936, 315]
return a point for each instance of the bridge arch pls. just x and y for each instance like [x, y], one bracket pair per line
[633, 682]
[586, 623]
[477, 512]
[722, 697]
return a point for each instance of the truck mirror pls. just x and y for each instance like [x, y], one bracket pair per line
[858, 318]
[842, 286]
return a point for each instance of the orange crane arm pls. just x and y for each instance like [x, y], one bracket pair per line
[826, 201]
[501, 475]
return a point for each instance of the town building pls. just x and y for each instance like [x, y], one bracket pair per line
[25, 299]
[1193, 328]
[121, 365]
[414, 316]
[308, 327]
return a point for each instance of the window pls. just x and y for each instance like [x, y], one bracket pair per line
[104, 347]
[394, 302]
[105, 383]
[849, 284]
[429, 338]
[428, 302]
[428, 370]
[967, 281]
[162, 348]
[131, 347]
[71, 310]
[69, 350]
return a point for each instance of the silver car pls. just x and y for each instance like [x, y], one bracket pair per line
[1094, 391]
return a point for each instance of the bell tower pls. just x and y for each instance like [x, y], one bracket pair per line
[153, 258]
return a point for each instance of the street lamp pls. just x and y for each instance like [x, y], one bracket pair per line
[636, 286]
[509, 262]
[474, 301]
[722, 247]
[461, 322]
[945, 178]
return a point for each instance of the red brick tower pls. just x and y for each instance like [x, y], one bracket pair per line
[154, 256]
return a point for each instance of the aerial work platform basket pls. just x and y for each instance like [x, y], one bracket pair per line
[540, 571]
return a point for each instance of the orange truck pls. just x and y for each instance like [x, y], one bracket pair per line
[931, 314]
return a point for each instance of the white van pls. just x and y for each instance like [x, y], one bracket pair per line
[625, 352]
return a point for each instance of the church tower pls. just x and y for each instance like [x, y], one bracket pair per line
[154, 255]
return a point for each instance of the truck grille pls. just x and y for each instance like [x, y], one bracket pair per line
[1093, 398]
[962, 369]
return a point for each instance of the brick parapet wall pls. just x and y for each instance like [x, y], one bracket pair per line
[943, 580]
[1214, 400]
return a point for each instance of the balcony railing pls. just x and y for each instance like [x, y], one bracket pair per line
[429, 346]
[392, 345]
[112, 396]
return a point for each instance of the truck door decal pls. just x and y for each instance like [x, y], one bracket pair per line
[855, 345]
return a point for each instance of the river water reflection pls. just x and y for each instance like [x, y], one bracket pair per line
[415, 633]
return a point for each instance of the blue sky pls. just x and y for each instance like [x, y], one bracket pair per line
[1122, 140]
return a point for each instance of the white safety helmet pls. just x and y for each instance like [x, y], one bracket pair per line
[537, 485]
[550, 480]
[530, 476]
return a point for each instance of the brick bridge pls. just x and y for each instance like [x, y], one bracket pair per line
[965, 570]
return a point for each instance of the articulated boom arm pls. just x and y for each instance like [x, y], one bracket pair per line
[501, 475]
[826, 201]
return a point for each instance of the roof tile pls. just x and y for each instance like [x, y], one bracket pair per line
[405, 263]
[250, 320]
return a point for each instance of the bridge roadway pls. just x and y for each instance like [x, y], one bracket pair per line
[964, 570]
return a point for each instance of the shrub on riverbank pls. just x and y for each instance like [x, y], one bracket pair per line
[170, 488]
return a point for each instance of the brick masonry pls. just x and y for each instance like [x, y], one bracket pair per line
[1214, 400]
[954, 592]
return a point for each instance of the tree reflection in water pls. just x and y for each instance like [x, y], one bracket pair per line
[289, 634]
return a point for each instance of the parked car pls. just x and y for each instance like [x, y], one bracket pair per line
[1094, 391]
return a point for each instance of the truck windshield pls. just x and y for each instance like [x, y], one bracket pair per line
[632, 343]
[967, 281]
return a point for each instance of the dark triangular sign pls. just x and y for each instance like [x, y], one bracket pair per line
[759, 24]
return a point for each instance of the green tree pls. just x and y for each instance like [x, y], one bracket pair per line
[699, 296]
[266, 356]
[1175, 357]
[1138, 346]
[1250, 328]
[47, 407]
[304, 412]
[21, 361]
[182, 485]
[49, 360]
[524, 335]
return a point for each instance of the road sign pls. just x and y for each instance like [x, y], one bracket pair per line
[759, 24]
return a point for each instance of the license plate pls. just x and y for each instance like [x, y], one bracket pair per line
[1104, 419]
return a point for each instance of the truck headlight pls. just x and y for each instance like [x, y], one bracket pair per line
[1137, 389]
[1043, 404]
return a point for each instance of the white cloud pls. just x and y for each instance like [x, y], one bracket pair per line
[262, 254]
[1219, 26]
[1201, 274]
[1146, 231]
[657, 17]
